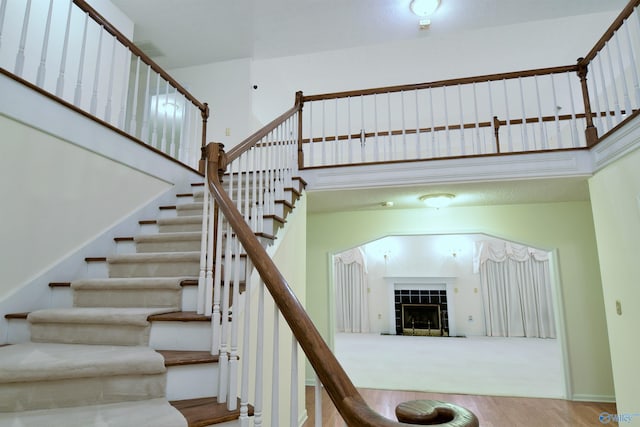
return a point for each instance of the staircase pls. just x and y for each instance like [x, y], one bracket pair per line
[127, 347]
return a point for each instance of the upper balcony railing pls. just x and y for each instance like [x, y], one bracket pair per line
[565, 107]
[67, 49]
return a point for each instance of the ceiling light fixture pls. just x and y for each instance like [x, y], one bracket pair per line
[437, 200]
[424, 8]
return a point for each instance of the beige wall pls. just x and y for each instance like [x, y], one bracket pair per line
[615, 199]
[567, 227]
[56, 197]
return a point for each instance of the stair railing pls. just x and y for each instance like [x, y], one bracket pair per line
[526, 111]
[256, 175]
[68, 51]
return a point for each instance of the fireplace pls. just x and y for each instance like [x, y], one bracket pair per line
[421, 319]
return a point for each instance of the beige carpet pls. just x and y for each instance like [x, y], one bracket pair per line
[476, 365]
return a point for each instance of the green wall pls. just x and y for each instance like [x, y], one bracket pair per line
[615, 198]
[567, 227]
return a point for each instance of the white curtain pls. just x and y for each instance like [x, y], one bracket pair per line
[352, 308]
[516, 290]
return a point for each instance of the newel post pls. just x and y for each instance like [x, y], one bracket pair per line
[591, 133]
[300, 104]
[217, 159]
[205, 115]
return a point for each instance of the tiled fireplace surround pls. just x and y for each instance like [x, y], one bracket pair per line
[421, 290]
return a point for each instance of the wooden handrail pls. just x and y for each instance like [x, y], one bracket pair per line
[626, 12]
[442, 83]
[84, 6]
[339, 387]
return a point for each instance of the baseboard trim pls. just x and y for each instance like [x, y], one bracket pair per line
[594, 398]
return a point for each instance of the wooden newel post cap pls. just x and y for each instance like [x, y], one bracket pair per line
[435, 413]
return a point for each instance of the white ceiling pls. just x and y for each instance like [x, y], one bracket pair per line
[193, 32]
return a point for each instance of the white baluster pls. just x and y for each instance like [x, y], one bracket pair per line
[259, 356]
[543, 137]
[23, 40]
[174, 106]
[163, 142]
[154, 132]
[324, 138]
[107, 108]
[446, 121]
[634, 69]
[205, 244]
[592, 83]
[213, 293]
[434, 152]
[350, 142]
[63, 60]
[555, 109]
[418, 154]
[574, 125]
[124, 90]
[404, 126]
[614, 86]
[247, 355]
[491, 115]
[388, 155]
[525, 133]
[232, 403]
[463, 145]
[607, 109]
[336, 148]
[363, 140]
[625, 86]
[293, 399]
[93, 107]
[144, 133]
[375, 123]
[477, 140]
[42, 68]
[318, 402]
[275, 369]
[3, 10]
[311, 160]
[229, 260]
[133, 124]
[507, 116]
[77, 98]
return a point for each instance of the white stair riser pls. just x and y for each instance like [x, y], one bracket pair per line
[97, 269]
[61, 297]
[192, 381]
[189, 298]
[180, 336]
[80, 391]
[168, 246]
[176, 228]
[125, 247]
[18, 331]
[149, 228]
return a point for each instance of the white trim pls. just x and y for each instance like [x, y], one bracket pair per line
[622, 142]
[594, 398]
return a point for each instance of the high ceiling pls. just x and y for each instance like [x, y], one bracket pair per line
[193, 32]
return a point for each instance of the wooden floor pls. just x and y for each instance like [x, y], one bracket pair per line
[491, 411]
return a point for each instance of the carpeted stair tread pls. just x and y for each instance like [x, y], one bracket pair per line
[51, 361]
[135, 316]
[132, 283]
[155, 257]
[145, 413]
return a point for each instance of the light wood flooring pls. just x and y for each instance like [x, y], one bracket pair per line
[491, 411]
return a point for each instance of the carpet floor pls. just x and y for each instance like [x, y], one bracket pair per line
[527, 367]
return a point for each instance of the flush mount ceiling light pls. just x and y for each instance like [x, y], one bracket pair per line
[437, 200]
[424, 8]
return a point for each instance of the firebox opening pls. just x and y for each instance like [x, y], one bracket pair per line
[421, 319]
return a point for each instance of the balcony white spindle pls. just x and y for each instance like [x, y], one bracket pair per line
[275, 369]
[254, 189]
[156, 115]
[614, 85]
[446, 121]
[556, 112]
[434, 152]
[606, 108]
[363, 140]
[574, 126]
[42, 68]
[124, 88]
[63, 59]
[133, 124]
[261, 185]
[625, 86]
[633, 67]
[337, 157]
[293, 398]
[311, 161]
[144, 132]
[214, 287]
[543, 139]
[404, 126]
[525, 133]
[389, 154]
[477, 140]
[375, 124]
[592, 83]
[23, 40]
[77, 98]
[247, 186]
[491, 115]
[3, 10]
[507, 116]
[232, 403]
[259, 357]
[463, 146]
[107, 108]
[205, 245]
[174, 116]
[318, 402]
[93, 107]
[350, 141]
[324, 134]
[418, 154]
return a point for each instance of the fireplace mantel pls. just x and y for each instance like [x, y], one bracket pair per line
[421, 282]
